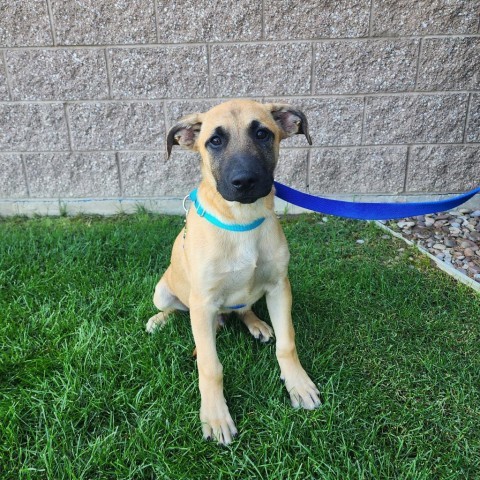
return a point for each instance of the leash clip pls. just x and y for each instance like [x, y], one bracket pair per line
[187, 197]
[198, 207]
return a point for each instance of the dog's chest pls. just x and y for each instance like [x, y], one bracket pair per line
[246, 264]
[250, 270]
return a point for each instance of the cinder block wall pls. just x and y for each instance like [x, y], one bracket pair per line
[88, 89]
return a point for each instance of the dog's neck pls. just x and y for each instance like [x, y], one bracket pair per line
[234, 212]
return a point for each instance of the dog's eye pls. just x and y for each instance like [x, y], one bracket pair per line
[261, 134]
[216, 141]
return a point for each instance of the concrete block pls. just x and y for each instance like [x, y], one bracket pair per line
[222, 20]
[100, 22]
[150, 174]
[159, 72]
[311, 19]
[331, 121]
[24, 24]
[415, 119]
[33, 126]
[473, 127]
[450, 64]
[72, 174]
[12, 177]
[364, 66]
[117, 125]
[440, 168]
[260, 69]
[357, 170]
[292, 168]
[57, 74]
[179, 108]
[424, 17]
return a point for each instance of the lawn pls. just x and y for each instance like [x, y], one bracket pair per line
[85, 393]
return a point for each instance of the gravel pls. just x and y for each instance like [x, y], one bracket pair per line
[453, 237]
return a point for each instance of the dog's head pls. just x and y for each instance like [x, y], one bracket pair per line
[239, 142]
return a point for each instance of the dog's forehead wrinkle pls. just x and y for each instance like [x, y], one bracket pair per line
[238, 115]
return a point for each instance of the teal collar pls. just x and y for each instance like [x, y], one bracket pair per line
[233, 227]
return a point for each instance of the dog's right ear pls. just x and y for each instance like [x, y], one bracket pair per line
[185, 132]
[289, 119]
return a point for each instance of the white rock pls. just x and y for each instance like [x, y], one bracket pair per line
[403, 224]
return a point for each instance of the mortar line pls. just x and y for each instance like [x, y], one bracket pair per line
[309, 164]
[7, 76]
[209, 69]
[370, 20]
[364, 117]
[119, 171]
[258, 97]
[67, 121]
[240, 42]
[299, 148]
[25, 174]
[52, 23]
[165, 116]
[467, 118]
[407, 164]
[179, 197]
[417, 73]
[109, 73]
[312, 71]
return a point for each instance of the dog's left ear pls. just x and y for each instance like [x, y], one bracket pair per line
[290, 120]
[184, 133]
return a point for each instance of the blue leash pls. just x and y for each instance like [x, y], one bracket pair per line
[368, 210]
[340, 208]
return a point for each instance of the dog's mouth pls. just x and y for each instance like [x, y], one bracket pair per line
[248, 200]
[245, 195]
[245, 178]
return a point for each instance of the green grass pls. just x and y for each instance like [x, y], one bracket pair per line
[85, 393]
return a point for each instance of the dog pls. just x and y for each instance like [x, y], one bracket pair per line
[232, 250]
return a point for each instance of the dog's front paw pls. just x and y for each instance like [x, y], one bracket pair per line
[217, 423]
[258, 328]
[303, 392]
[157, 321]
[261, 331]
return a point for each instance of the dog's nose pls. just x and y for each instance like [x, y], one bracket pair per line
[244, 182]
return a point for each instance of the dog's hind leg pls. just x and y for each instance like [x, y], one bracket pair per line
[258, 328]
[166, 302]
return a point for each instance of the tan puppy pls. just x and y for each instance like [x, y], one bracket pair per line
[214, 270]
